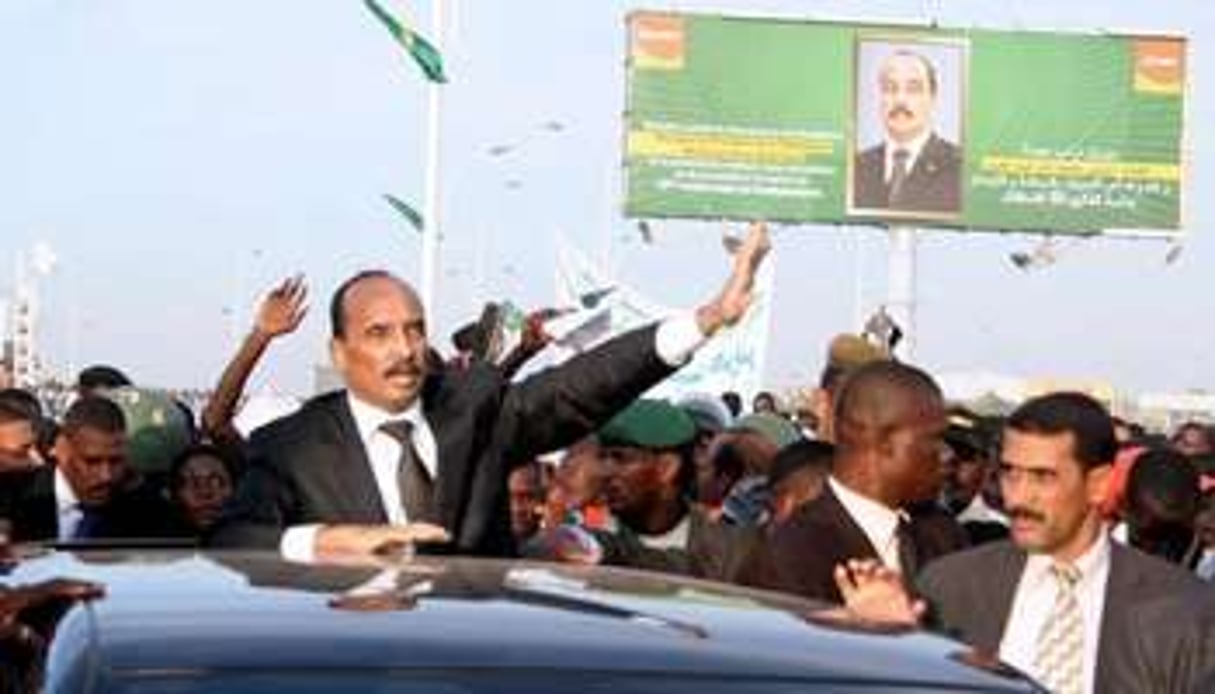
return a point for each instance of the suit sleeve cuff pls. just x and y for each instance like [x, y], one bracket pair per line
[298, 543]
[677, 339]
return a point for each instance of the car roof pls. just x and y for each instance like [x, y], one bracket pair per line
[180, 611]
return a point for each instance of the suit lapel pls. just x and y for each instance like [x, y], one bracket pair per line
[352, 481]
[1121, 588]
[851, 537]
[452, 447]
[995, 595]
[42, 506]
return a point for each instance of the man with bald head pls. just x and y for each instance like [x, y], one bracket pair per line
[913, 169]
[412, 451]
[889, 420]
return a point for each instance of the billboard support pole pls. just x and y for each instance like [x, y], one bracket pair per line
[901, 286]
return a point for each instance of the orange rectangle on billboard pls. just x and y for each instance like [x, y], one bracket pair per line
[657, 41]
[1159, 66]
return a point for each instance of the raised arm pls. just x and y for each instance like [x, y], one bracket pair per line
[558, 406]
[280, 313]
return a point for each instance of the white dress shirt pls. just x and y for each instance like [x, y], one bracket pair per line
[675, 341]
[67, 507]
[675, 538]
[1035, 597]
[978, 511]
[912, 148]
[878, 521]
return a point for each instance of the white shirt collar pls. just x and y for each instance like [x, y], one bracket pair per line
[913, 149]
[877, 520]
[368, 418]
[65, 498]
[979, 511]
[1091, 564]
[675, 538]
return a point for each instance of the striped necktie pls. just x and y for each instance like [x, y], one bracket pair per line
[1059, 661]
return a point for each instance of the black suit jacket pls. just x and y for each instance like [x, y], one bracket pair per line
[27, 500]
[801, 555]
[311, 467]
[932, 185]
[971, 594]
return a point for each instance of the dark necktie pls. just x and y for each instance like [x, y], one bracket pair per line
[414, 483]
[898, 176]
[909, 561]
[89, 525]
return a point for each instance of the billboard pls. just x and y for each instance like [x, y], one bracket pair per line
[837, 123]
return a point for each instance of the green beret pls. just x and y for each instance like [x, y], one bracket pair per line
[649, 424]
[157, 430]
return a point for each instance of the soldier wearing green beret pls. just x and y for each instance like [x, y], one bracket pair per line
[648, 450]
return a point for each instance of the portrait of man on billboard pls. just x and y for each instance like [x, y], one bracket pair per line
[908, 128]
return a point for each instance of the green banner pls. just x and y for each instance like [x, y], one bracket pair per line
[835, 123]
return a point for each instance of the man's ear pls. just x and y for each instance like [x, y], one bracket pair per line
[1096, 484]
[821, 405]
[337, 354]
[668, 463]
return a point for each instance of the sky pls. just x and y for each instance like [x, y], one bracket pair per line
[182, 157]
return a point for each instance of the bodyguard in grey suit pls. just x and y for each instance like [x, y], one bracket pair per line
[413, 452]
[1060, 601]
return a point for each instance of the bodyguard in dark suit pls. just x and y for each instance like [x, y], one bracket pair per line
[888, 424]
[1060, 601]
[412, 451]
[91, 492]
[914, 170]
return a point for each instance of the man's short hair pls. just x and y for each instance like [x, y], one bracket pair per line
[1080, 415]
[17, 405]
[101, 376]
[94, 412]
[867, 390]
[337, 303]
[804, 454]
[929, 69]
[1168, 478]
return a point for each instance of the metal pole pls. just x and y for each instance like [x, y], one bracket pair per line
[901, 287]
[432, 215]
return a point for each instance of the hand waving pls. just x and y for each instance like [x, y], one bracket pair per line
[283, 308]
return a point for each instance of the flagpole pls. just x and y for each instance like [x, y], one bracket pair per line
[432, 215]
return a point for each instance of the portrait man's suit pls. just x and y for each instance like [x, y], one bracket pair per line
[932, 185]
[970, 595]
[27, 500]
[801, 556]
[311, 467]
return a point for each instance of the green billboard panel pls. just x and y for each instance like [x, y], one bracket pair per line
[836, 123]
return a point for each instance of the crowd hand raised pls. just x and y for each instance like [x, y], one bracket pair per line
[732, 302]
[282, 310]
[344, 541]
[875, 593]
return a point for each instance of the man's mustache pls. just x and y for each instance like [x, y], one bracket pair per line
[1020, 512]
[402, 368]
[899, 110]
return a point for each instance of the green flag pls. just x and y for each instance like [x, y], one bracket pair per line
[424, 54]
[411, 215]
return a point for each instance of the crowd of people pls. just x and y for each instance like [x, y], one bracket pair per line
[1075, 546]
